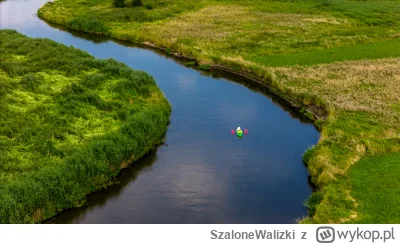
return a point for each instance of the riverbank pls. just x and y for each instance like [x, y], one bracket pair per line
[69, 122]
[356, 100]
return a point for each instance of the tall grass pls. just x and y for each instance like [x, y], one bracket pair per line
[69, 123]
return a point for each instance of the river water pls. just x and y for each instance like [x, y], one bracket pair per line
[202, 174]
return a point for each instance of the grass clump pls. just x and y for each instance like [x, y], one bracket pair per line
[335, 58]
[69, 123]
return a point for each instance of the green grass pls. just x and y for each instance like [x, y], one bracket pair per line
[301, 50]
[373, 50]
[375, 183]
[69, 123]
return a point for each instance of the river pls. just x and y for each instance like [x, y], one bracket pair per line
[202, 173]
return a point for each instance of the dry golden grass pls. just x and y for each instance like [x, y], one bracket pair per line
[38, 215]
[371, 86]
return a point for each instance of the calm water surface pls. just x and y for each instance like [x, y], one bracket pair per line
[202, 174]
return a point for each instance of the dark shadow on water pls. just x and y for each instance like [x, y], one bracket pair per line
[79, 34]
[256, 87]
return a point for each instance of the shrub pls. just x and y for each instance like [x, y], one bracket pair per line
[87, 25]
[148, 6]
[137, 3]
[119, 3]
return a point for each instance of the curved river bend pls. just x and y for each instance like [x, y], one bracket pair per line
[202, 174]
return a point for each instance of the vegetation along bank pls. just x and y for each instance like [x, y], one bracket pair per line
[68, 124]
[336, 59]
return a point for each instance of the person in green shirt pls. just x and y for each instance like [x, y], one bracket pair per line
[239, 132]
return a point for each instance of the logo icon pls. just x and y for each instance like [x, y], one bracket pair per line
[325, 234]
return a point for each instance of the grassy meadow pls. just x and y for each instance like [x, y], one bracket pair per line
[258, 31]
[336, 59]
[68, 124]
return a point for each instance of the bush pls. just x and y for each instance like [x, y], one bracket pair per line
[148, 6]
[87, 25]
[137, 3]
[119, 3]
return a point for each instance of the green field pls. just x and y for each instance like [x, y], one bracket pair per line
[336, 59]
[376, 187]
[68, 124]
